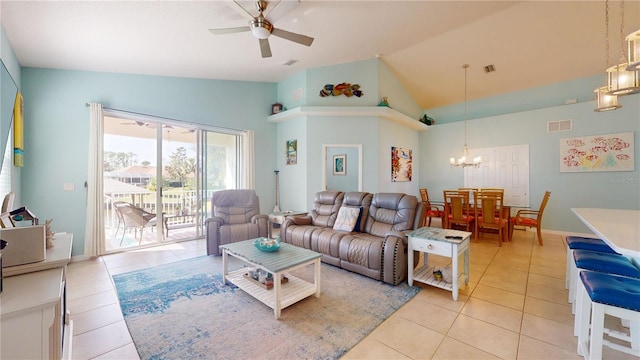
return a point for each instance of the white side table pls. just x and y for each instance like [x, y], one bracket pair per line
[436, 241]
[278, 218]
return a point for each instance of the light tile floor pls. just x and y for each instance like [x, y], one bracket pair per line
[515, 307]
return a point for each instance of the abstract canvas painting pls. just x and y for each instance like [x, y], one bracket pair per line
[611, 152]
[401, 166]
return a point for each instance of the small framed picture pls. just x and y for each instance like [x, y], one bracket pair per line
[5, 220]
[340, 164]
[276, 108]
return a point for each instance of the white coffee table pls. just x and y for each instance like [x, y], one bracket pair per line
[435, 241]
[286, 259]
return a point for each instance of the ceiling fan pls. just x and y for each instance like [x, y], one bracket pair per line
[261, 28]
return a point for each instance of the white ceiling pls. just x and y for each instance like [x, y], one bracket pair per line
[425, 43]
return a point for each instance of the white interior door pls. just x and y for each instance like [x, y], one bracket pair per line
[504, 167]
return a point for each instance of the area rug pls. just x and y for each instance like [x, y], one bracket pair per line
[183, 310]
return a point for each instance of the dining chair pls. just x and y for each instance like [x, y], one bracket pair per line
[491, 215]
[530, 218]
[431, 210]
[473, 199]
[457, 210]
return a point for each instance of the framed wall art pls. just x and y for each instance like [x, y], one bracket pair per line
[292, 152]
[401, 164]
[340, 164]
[276, 108]
[611, 152]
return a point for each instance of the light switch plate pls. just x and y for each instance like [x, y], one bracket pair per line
[68, 187]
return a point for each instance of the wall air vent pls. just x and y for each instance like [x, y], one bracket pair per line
[489, 68]
[560, 125]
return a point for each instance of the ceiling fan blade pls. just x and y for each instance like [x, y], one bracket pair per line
[279, 9]
[230, 30]
[298, 38]
[265, 49]
[240, 10]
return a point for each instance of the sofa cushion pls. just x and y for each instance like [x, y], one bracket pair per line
[361, 200]
[391, 212]
[347, 219]
[326, 205]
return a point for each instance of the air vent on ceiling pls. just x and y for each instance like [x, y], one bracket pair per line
[560, 125]
[290, 62]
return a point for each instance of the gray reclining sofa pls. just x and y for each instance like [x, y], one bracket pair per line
[376, 245]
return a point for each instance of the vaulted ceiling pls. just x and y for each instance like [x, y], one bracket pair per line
[425, 43]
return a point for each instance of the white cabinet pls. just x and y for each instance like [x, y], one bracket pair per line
[33, 321]
[32, 316]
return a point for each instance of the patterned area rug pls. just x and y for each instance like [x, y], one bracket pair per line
[184, 311]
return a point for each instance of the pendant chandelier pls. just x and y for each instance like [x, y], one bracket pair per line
[465, 160]
[605, 101]
[633, 51]
[620, 79]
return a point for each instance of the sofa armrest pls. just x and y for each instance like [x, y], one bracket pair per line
[399, 235]
[394, 258]
[212, 229]
[298, 220]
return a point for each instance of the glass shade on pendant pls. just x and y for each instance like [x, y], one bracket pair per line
[622, 81]
[604, 101]
[633, 52]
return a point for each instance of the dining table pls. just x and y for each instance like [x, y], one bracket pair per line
[619, 228]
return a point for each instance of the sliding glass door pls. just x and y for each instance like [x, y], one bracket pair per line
[159, 176]
[130, 182]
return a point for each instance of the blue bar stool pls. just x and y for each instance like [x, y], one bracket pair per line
[613, 264]
[605, 294]
[582, 243]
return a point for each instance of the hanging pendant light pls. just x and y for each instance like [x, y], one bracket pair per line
[633, 51]
[604, 101]
[620, 80]
[466, 159]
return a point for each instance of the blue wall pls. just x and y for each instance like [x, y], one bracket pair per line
[588, 189]
[56, 129]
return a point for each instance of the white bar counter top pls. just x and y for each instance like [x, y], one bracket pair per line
[619, 228]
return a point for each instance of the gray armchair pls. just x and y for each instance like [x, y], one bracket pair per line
[236, 217]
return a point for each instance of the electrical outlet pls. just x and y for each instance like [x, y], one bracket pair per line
[68, 187]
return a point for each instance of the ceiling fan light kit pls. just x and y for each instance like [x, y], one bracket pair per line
[261, 28]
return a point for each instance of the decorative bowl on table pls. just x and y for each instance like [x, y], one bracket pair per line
[266, 244]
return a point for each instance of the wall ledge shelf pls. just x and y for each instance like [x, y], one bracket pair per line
[379, 111]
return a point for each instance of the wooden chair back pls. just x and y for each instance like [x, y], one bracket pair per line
[457, 208]
[545, 199]
[491, 204]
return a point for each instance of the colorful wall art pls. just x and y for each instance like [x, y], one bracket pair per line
[292, 152]
[18, 131]
[401, 164]
[345, 89]
[611, 152]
